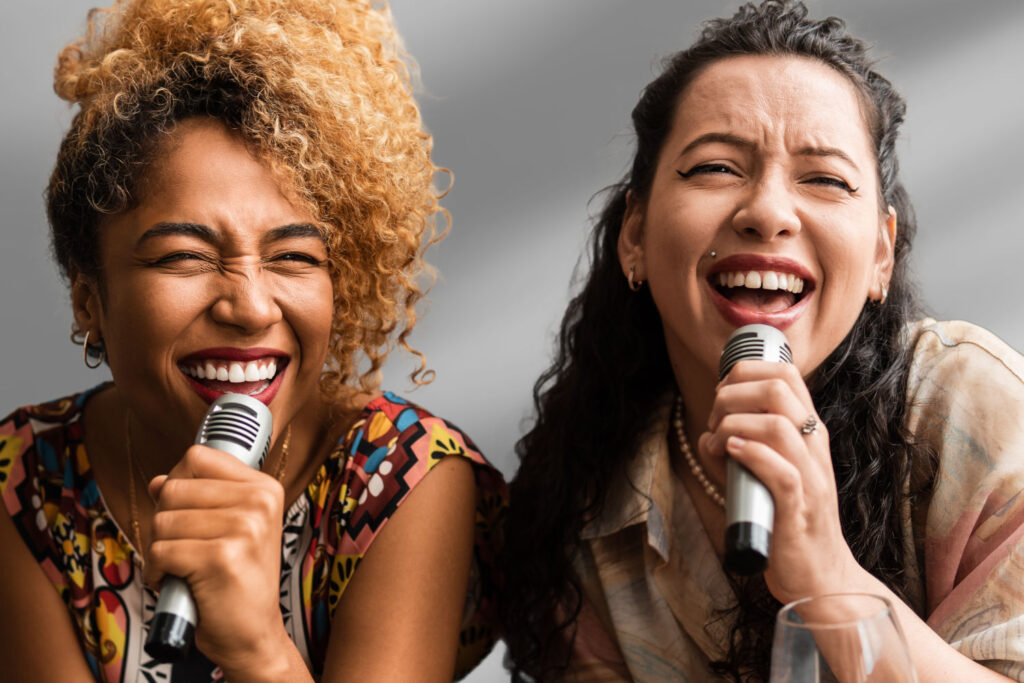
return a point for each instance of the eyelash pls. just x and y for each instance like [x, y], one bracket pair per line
[298, 256]
[705, 168]
[178, 256]
[719, 168]
[835, 182]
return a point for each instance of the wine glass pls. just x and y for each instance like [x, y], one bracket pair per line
[847, 637]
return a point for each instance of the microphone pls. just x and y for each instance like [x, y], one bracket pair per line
[240, 426]
[749, 508]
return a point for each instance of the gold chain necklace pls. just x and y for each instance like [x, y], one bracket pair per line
[136, 466]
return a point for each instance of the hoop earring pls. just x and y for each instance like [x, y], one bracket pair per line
[634, 285]
[85, 354]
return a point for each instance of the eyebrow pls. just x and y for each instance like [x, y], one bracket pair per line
[207, 234]
[165, 229]
[737, 141]
[826, 152]
[726, 138]
[293, 230]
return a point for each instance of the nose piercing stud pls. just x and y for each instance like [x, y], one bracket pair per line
[713, 254]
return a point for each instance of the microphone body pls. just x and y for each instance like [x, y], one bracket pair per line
[749, 508]
[240, 426]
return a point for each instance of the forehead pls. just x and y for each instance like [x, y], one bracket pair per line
[782, 99]
[196, 150]
[202, 168]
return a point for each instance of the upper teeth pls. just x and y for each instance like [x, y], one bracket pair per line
[226, 371]
[762, 279]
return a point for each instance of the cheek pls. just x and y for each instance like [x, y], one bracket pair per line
[672, 253]
[849, 263]
[311, 311]
[146, 314]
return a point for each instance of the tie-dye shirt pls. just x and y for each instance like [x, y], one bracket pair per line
[655, 591]
[48, 489]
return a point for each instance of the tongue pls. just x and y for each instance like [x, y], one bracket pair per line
[234, 387]
[764, 301]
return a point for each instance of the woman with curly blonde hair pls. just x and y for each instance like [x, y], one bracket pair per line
[241, 206]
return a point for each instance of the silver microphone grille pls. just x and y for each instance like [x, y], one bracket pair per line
[754, 342]
[238, 425]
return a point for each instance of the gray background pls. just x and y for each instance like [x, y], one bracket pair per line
[529, 102]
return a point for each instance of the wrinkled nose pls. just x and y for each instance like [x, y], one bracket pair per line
[246, 302]
[768, 211]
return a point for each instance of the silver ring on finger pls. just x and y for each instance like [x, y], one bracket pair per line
[809, 426]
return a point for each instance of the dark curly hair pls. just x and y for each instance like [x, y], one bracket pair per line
[602, 390]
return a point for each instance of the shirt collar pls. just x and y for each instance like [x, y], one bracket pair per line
[643, 493]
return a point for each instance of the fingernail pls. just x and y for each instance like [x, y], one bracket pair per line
[735, 442]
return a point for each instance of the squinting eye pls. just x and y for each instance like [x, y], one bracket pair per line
[298, 257]
[702, 169]
[177, 256]
[834, 182]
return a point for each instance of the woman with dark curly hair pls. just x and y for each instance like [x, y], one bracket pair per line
[764, 189]
[241, 206]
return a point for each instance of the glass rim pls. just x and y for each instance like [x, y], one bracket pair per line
[885, 608]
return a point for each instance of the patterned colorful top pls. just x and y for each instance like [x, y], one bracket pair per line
[49, 491]
[655, 591]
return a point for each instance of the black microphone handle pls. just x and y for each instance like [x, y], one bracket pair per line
[240, 426]
[749, 507]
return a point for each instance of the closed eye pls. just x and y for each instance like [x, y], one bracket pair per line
[295, 256]
[177, 257]
[834, 182]
[702, 169]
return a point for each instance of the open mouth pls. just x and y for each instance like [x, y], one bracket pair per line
[212, 377]
[764, 291]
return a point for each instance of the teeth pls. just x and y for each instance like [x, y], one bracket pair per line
[252, 372]
[767, 280]
[233, 371]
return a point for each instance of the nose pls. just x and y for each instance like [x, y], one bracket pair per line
[768, 210]
[245, 301]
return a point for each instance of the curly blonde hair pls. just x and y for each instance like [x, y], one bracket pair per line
[320, 89]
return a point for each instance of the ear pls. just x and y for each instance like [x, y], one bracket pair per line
[87, 306]
[885, 256]
[631, 238]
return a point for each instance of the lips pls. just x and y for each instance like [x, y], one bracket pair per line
[255, 372]
[749, 288]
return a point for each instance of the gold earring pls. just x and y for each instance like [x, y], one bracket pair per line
[85, 354]
[634, 285]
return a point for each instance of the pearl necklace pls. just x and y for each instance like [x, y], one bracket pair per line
[691, 461]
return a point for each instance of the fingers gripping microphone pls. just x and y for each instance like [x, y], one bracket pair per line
[749, 508]
[240, 426]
